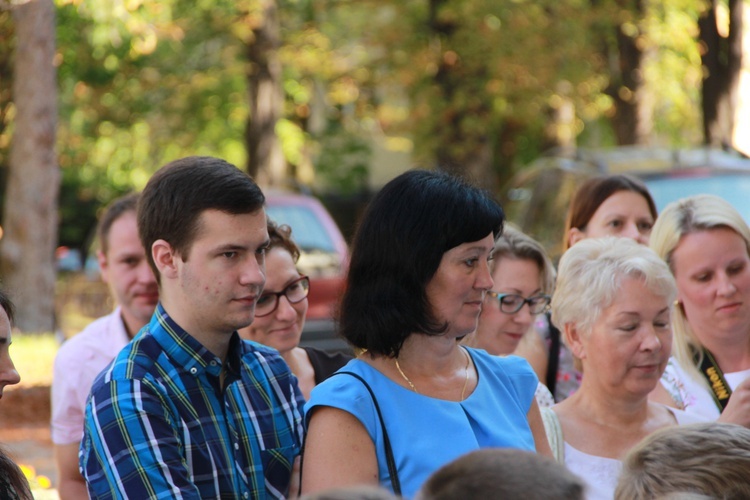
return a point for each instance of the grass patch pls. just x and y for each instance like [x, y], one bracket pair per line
[33, 356]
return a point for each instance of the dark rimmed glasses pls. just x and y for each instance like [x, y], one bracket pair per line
[295, 292]
[511, 303]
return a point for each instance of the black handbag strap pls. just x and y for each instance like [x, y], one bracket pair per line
[392, 471]
[553, 358]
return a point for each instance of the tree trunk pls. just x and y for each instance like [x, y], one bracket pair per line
[722, 62]
[633, 121]
[30, 222]
[457, 150]
[7, 44]
[265, 159]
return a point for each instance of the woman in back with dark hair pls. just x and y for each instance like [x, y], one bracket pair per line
[418, 276]
[13, 484]
[279, 323]
[612, 205]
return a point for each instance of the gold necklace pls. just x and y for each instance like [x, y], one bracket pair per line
[466, 379]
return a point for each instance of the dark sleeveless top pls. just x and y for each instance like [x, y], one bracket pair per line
[325, 363]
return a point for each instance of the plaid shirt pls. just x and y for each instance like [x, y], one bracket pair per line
[158, 425]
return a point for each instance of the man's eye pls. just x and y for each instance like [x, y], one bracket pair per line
[230, 255]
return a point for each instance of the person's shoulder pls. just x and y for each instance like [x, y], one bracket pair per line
[344, 379]
[250, 347]
[510, 364]
[344, 391]
[683, 417]
[251, 351]
[257, 356]
[89, 340]
[137, 360]
[333, 356]
[326, 363]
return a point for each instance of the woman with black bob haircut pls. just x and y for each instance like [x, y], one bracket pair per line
[418, 274]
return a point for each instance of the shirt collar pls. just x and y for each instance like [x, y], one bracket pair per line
[184, 349]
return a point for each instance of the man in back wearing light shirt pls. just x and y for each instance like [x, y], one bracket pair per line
[131, 282]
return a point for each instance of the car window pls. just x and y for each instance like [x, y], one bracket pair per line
[308, 232]
[732, 187]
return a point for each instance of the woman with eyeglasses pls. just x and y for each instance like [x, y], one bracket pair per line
[524, 278]
[280, 314]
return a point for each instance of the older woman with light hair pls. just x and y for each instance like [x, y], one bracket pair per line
[706, 243]
[613, 304]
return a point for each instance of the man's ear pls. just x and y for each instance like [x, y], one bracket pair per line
[573, 340]
[165, 257]
[575, 235]
[101, 259]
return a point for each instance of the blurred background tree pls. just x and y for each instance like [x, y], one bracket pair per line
[30, 204]
[336, 96]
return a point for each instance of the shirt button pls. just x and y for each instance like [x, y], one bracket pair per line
[213, 363]
[236, 446]
[193, 370]
[246, 495]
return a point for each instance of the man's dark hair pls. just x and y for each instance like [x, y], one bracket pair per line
[398, 246]
[178, 193]
[116, 209]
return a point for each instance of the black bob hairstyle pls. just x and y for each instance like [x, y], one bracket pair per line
[398, 246]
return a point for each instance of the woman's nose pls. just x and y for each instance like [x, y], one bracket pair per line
[285, 309]
[8, 373]
[726, 285]
[484, 279]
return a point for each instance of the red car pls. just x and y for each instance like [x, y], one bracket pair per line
[324, 258]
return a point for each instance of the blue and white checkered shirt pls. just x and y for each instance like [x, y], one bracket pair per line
[158, 424]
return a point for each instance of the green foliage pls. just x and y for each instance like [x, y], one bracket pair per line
[345, 160]
[142, 83]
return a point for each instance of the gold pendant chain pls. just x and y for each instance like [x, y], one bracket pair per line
[466, 379]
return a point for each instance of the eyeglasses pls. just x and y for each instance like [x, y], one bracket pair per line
[511, 303]
[295, 292]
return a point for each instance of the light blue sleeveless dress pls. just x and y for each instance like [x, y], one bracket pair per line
[426, 433]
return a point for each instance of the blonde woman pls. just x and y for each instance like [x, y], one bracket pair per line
[523, 279]
[705, 241]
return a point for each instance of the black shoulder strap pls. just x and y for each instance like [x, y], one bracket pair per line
[392, 471]
[553, 358]
[720, 390]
